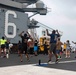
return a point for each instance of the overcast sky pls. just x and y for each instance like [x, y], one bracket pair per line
[61, 17]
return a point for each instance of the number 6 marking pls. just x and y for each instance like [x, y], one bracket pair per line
[7, 24]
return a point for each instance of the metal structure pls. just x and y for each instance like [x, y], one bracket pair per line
[26, 1]
[14, 19]
[12, 23]
[16, 6]
[39, 24]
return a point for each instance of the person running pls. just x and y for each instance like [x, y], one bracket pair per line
[58, 48]
[24, 38]
[3, 45]
[68, 49]
[53, 40]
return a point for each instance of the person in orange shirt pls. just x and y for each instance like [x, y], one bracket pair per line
[59, 48]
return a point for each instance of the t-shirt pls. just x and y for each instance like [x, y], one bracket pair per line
[2, 41]
[64, 46]
[54, 37]
[24, 39]
[58, 45]
[36, 43]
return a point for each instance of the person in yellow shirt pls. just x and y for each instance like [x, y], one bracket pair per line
[64, 48]
[2, 43]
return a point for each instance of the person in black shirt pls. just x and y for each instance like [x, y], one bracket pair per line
[24, 38]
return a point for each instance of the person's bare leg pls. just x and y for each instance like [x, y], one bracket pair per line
[66, 53]
[27, 56]
[50, 55]
[21, 57]
[56, 56]
[4, 50]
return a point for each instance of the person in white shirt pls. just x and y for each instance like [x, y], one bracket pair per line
[74, 46]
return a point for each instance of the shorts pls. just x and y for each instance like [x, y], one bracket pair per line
[68, 48]
[35, 48]
[19, 48]
[64, 50]
[58, 51]
[53, 47]
[24, 49]
[3, 46]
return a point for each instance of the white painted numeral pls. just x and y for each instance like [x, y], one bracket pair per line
[7, 24]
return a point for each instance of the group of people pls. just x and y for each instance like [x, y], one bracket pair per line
[24, 45]
[55, 45]
[67, 49]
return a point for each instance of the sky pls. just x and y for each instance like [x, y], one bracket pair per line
[62, 16]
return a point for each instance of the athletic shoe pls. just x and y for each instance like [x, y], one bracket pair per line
[66, 57]
[49, 61]
[56, 62]
[28, 59]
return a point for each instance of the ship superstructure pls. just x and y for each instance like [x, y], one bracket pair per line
[14, 19]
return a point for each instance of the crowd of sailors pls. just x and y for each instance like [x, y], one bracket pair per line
[27, 45]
